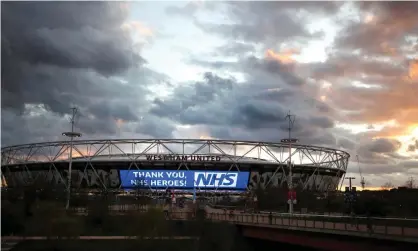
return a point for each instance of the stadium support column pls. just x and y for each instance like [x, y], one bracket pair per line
[71, 135]
[289, 141]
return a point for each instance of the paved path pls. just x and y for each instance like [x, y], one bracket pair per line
[16, 239]
[8, 242]
[7, 245]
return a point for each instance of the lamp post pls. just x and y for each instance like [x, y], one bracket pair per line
[71, 135]
[289, 141]
[289, 165]
[349, 181]
[350, 193]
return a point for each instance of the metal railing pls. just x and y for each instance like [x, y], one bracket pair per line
[402, 229]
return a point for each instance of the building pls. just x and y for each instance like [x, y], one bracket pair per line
[179, 165]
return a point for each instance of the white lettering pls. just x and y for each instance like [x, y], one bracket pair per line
[163, 183]
[183, 158]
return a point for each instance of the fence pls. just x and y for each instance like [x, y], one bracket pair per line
[372, 227]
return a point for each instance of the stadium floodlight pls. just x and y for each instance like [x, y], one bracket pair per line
[289, 141]
[71, 135]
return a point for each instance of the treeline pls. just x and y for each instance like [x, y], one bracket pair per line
[35, 211]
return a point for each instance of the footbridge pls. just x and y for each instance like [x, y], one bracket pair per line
[323, 232]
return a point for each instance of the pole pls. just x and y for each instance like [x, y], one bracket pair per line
[290, 140]
[349, 181]
[70, 159]
[350, 188]
[194, 195]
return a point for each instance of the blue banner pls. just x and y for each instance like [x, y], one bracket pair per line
[179, 179]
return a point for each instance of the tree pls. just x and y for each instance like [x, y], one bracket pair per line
[410, 183]
[387, 186]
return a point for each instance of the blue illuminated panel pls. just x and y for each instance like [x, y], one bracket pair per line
[184, 179]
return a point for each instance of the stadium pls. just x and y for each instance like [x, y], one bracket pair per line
[181, 165]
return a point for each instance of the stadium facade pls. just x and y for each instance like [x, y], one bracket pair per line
[216, 165]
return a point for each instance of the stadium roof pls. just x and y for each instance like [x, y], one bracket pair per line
[138, 157]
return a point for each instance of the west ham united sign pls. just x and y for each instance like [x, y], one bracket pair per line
[192, 158]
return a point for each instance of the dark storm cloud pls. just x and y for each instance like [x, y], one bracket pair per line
[413, 147]
[109, 109]
[223, 103]
[156, 127]
[252, 65]
[64, 54]
[38, 37]
[275, 95]
[28, 129]
[189, 97]
[256, 8]
[346, 143]
[385, 35]
[255, 114]
[67, 34]
[105, 126]
[349, 65]
[265, 24]
[267, 21]
[322, 122]
[276, 68]
[380, 151]
[258, 106]
[372, 169]
[259, 103]
[383, 146]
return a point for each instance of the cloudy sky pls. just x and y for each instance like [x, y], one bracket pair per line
[224, 70]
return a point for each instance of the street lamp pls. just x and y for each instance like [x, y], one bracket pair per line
[291, 118]
[71, 135]
[350, 193]
[290, 183]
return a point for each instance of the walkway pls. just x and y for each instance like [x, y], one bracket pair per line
[380, 228]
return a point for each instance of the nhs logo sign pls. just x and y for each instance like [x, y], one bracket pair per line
[215, 179]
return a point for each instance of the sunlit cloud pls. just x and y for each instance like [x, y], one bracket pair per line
[413, 70]
[119, 123]
[284, 57]
[369, 18]
[138, 30]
